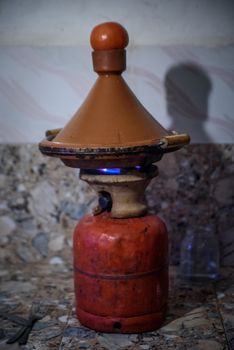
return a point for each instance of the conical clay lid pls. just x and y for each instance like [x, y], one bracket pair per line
[111, 116]
[111, 124]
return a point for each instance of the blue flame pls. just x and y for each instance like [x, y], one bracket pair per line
[114, 171]
[110, 171]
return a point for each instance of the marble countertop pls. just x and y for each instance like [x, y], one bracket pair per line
[200, 316]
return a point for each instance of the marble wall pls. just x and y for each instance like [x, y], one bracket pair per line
[180, 65]
[184, 88]
[41, 200]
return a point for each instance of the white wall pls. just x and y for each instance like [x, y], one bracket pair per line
[149, 22]
[46, 69]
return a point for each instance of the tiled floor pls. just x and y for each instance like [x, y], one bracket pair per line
[200, 316]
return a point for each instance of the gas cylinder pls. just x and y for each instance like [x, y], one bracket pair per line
[121, 272]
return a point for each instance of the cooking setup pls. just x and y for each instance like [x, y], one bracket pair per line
[120, 251]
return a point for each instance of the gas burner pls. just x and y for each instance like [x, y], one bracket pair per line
[123, 192]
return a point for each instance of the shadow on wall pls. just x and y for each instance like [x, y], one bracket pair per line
[193, 187]
[188, 88]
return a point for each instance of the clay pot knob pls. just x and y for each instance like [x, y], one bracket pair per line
[109, 36]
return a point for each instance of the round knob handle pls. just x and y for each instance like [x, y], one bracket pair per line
[109, 36]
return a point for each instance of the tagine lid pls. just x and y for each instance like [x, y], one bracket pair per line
[111, 120]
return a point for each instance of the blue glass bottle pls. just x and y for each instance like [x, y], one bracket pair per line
[199, 255]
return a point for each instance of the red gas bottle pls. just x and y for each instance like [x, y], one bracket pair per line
[121, 272]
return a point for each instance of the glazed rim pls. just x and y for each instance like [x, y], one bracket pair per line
[166, 144]
[49, 148]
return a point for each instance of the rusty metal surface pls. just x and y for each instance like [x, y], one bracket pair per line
[121, 272]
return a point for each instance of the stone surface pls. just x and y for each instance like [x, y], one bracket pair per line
[56, 260]
[194, 188]
[114, 341]
[224, 191]
[56, 242]
[4, 346]
[63, 319]
[208, 345]
[43, 201]
[193, 318]
[24, 252]
[7, 225]
[17, 287]
[40, 242]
